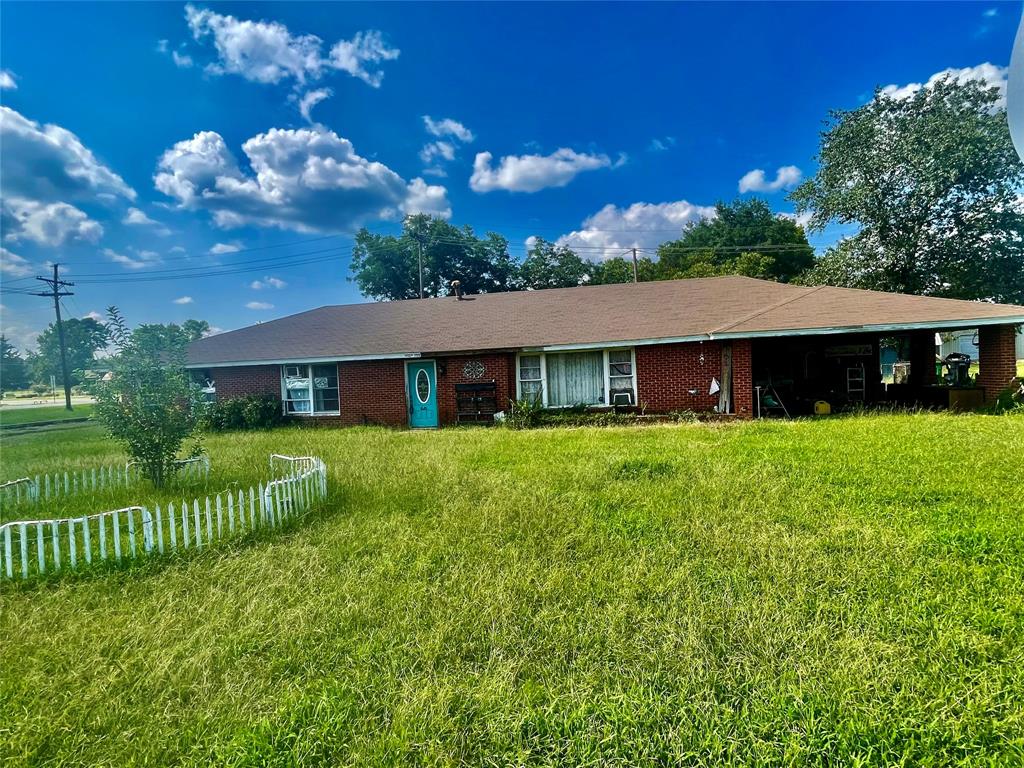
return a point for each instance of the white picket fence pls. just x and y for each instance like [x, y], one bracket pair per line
[36, 547]
[32, 490]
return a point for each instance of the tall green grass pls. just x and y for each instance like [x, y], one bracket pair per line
[839, 592]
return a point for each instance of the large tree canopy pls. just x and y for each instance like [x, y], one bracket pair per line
[13, 372]
[744, 237]
[158, 337]
[83, 337]
[386, 267]
[554, 266]
[935, 186]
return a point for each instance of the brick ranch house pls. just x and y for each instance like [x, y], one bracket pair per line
[731, 345]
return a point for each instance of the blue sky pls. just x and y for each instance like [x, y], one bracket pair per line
[139, 137]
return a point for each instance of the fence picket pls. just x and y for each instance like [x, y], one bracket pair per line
[40, 549]
[131, 532]
[55, 543]
[209, 522]
[231, 513]
[101, 520]
[23, 533]
[185, 538]
[117, 534]
[220, 519]
[195, 509]
[7, 553]
[159, 530]
[73, 544]
[86, 541]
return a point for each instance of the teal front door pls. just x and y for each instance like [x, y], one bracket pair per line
[422, 378]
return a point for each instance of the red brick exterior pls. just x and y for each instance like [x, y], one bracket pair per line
[374, 391]
[997, 358]
[742, 378]
[247, 380]
[499, 366]
[666, 374]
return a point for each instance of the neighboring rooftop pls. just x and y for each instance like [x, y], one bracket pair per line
[669, 310]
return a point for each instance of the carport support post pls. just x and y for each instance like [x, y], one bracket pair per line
[922, 358]
[997, 359]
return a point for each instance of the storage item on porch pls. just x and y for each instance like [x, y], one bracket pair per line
[476, 402]
[822, 408]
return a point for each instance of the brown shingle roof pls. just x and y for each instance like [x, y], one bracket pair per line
[716, 307]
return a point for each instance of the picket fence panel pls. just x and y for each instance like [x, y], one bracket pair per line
[37, 547]
[33, 490]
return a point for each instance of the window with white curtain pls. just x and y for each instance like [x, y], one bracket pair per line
[575, 378]
[310, 389]
[592, 377]
[531, 383]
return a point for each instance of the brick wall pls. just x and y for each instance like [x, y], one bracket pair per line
[742, 378]
[667, 372]
[997, 358]
[247, 380]
[499, 367]
[373, 392]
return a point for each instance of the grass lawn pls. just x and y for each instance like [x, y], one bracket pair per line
[839, 592]
[9, 416]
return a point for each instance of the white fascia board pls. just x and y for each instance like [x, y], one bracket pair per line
[616, 344]
[931, 325]
[308, 360]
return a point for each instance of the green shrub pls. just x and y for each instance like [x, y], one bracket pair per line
[530, 414]
[248, 412]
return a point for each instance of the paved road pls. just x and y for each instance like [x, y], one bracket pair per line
[36, 402]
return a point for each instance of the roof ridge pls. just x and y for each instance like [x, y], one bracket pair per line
[769, 308]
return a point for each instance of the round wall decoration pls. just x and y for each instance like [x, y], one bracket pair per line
[473, 369]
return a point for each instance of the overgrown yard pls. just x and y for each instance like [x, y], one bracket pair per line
[840, 592]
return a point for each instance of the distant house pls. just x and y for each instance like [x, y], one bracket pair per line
[966, 342]
[734, 345]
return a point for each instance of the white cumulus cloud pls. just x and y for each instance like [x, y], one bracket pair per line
[310, 100]
[989, 75]
[184, 300]
[353, 55]
[220, 248]
[268, 282]
[138, 259]
[13, 265]
[531, 173]
[7, 80]
[47, 162]
[260, 305]
[786, 177]
[49, 224]
[448, 127]
[308, 180]
[612, 230]
[267, 52]
[181, 60]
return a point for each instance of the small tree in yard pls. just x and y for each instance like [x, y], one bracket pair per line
[148, 403]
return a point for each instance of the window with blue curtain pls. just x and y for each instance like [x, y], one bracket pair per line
[575, 378]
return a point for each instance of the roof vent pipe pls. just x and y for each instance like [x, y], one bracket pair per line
[457, 287]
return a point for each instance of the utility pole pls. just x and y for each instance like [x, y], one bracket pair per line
[635, 280]
[419, 260]
[55, 293]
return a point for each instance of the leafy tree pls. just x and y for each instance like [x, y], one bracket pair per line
[13, 371]
[149, 403]
[386, 267]
[619, 269]
[160, 336]
[724, 244]
[934, 183]
[83, 337]
[554, 266]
